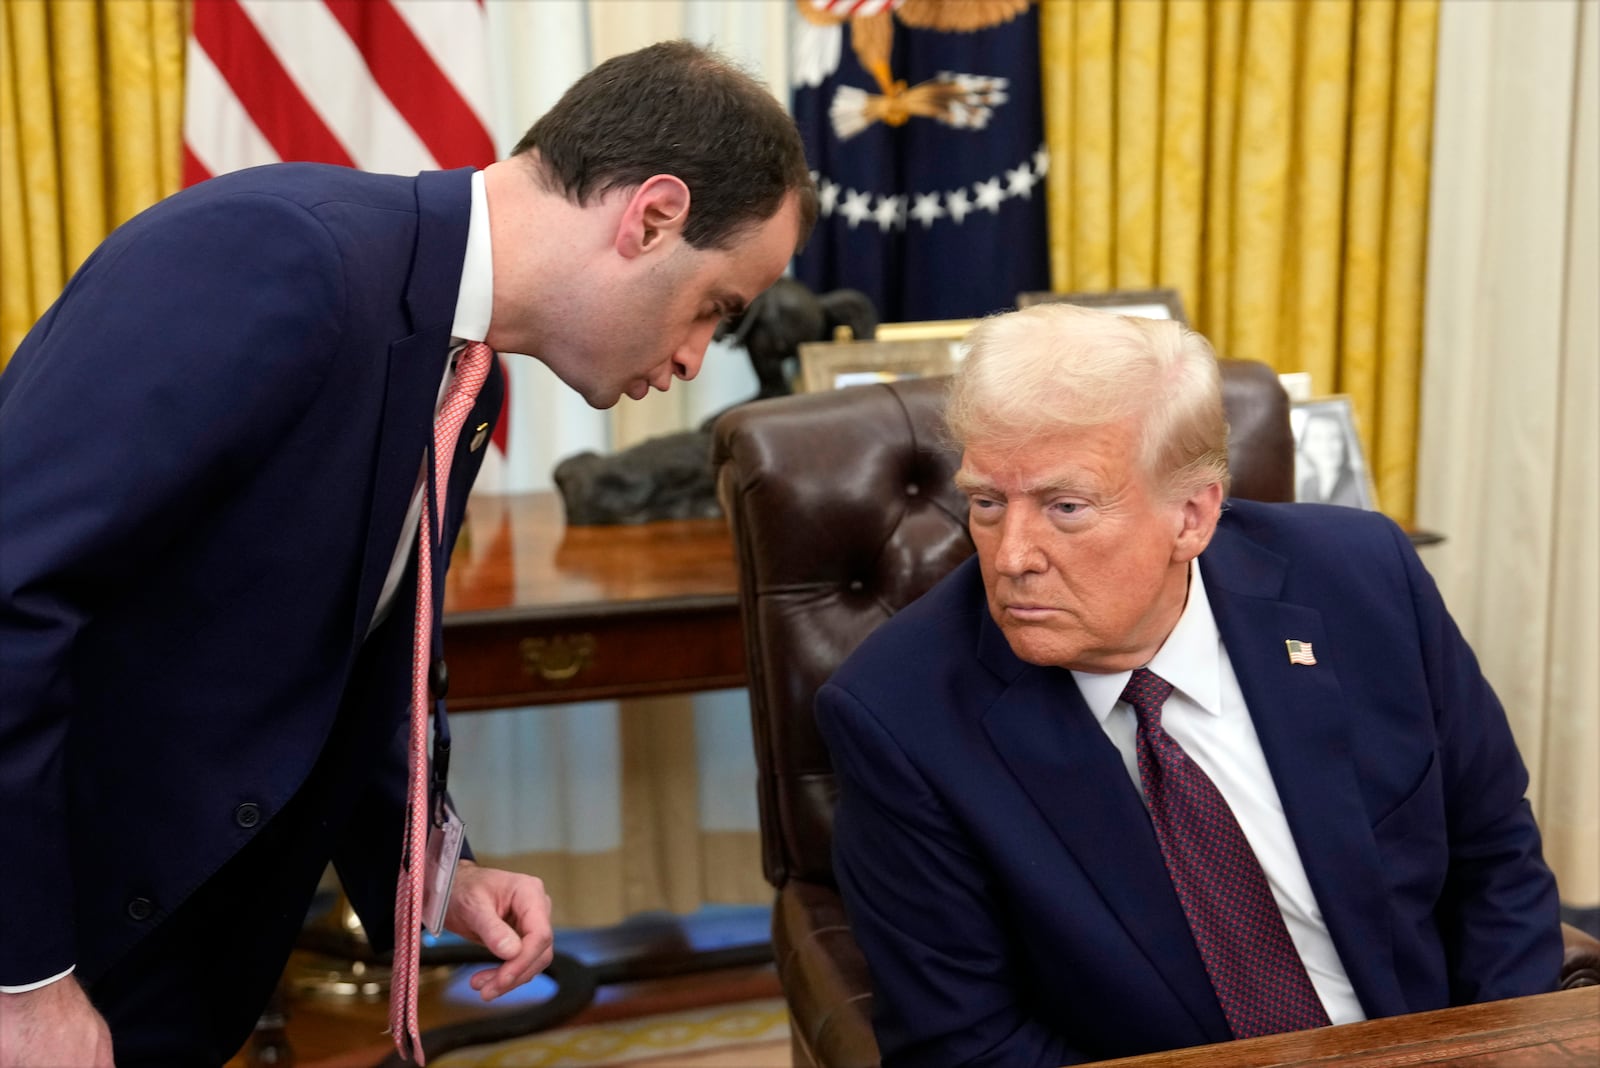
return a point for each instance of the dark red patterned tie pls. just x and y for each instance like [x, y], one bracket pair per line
[1259, 978]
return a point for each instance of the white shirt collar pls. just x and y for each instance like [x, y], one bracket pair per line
[1188, 659]
[475, 300]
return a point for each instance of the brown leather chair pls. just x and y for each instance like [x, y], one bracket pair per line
[843, 512]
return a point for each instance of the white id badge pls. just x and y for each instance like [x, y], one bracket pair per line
[439, 871]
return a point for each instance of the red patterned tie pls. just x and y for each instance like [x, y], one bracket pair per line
[472, 367]
[1260, 981]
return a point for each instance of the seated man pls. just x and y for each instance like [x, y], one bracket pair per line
[1152, 769]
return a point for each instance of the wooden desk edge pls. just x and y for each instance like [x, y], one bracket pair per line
[1554, 1017]
[569, 613]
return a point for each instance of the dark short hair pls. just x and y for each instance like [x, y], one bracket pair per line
[676, 108]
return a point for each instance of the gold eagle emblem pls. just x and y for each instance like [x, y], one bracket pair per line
[964, 101]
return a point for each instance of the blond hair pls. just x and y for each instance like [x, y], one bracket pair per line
[1053, 367]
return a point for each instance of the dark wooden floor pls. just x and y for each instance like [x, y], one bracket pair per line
[659, 962]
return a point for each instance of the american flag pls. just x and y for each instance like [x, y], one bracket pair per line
[397, 86]
[1300, 652]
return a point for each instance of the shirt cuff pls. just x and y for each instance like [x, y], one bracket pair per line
[35, 986]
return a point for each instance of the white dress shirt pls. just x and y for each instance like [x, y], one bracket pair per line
[1207, 716]
[474, 302]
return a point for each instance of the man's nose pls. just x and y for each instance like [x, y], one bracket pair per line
[692, 353]
[1018, 552]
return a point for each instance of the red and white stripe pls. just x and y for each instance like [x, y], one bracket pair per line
[395, 86]
[855, 8]
[398, 86]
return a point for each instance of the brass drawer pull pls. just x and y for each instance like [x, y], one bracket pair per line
[557, 659]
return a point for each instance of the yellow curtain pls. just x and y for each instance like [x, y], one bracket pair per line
[1268, 160]
[91, 98]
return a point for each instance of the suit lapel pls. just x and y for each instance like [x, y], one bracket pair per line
[1300, 717]
[416, 366]
[1052, 743]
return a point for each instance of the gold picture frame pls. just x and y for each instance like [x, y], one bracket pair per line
[1159, 303]
[926, 329]
[828, 365]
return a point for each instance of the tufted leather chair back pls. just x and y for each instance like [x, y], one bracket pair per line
[843, 512]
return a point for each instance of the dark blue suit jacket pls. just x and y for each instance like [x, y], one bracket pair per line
[207, 449]
[1000, 870]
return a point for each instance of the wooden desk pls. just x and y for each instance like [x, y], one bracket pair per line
[540, 613]
[1560, 1030]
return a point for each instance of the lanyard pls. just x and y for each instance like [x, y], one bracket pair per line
[438, 670]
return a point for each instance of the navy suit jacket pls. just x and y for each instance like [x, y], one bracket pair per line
[1000, 870]
[207, 448]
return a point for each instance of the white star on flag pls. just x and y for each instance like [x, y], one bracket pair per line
[827, 196]
[927, 209]
[959, 205]
[857, 206]
[891, 212]
[988, 195]
[1020, 182]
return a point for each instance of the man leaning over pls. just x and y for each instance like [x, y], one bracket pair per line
[215, 450]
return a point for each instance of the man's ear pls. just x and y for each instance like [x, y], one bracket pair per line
[1200, 513]
[655, 213]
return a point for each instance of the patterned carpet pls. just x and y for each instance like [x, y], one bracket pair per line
[633, 1041]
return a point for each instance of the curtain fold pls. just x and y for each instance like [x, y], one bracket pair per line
[1509, 443]
[1137, 164]
[1181, 213]
[90, 107]
[1398, 398]
[1270, 162]
[1312, 298]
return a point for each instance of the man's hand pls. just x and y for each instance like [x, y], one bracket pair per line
[53, 1026]
[508, 914]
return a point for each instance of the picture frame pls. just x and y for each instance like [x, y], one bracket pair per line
[926, 329]
[1160, 303]
[828, 365]
[1329, 464]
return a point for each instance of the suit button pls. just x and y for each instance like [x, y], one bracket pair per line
[247, 815]
[140, 909]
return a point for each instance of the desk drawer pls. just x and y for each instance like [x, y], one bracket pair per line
[502, 662]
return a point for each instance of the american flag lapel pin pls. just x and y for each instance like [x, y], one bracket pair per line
[1300, 652]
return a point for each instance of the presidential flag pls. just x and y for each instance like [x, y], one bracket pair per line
[923, 126]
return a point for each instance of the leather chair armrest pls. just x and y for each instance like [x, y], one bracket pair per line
[1580, 964]
[824, 977]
